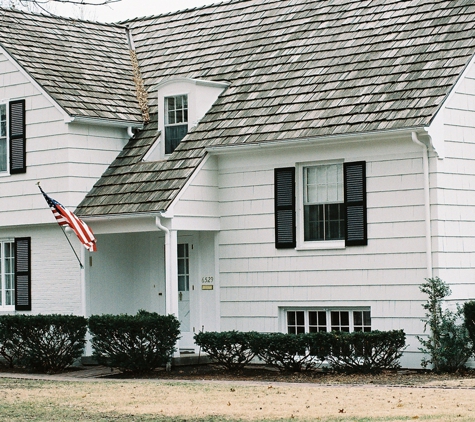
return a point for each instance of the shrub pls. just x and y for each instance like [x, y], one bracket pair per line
[231, 349]
[448, 343]
[44, 343]
[365, 352]
[469, 317]
[10, 342]
[289, 352]
[137, 343]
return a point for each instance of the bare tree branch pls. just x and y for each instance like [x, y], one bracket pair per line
[75, 2]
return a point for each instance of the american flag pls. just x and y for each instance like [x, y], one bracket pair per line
[64, 217]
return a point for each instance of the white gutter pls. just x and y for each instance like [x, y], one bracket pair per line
[425, 164]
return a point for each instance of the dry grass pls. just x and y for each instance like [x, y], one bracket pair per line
[441, 399]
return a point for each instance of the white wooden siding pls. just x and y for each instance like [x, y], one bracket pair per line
[454, 201]
[200, 197]
[257, 279]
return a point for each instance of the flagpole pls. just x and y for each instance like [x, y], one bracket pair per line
[70, 244]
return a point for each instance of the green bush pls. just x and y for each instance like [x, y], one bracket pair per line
[469, 316]
[231, 349]
[290, 352]
[365, 352]
[135, 344]
[448, 343]
[10, 342]
[42, 343]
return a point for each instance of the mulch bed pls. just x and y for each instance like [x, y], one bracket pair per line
[265, 374]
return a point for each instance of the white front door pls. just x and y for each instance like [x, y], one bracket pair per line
[184, 299]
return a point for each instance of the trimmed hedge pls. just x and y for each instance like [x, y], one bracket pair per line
[231, 349]
[42, 343]
[137, 344]
[365, 352]
[292, 352]
[342, 352]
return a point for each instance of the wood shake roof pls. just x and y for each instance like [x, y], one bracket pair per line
[84, 66]
[296, 68]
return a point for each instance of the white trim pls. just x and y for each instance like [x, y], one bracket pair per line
[3, 307]
[125, 124]
[202, 82]
[320, 140]
[303, 245]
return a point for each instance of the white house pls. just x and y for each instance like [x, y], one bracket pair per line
[286, 165]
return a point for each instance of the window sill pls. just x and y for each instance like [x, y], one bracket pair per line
[323, 245]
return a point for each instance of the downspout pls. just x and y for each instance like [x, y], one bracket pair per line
[160, 226]
[425, 164]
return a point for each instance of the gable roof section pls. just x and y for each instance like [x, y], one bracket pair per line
[300, 69]
[84, 66]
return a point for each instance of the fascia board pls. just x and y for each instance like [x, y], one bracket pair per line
[394, 134]
[33, 81]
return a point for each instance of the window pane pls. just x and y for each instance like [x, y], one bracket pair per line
[345, 318]
[295, 322]
[3, 120]
[357, 318]
[324, 217]
[367, 318]
[313, 222]
[335, 222]
[3, 154]
[7, 274]
[173, 136]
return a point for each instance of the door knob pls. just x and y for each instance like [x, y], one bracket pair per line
[180, 296]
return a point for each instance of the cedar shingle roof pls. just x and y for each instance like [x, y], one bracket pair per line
[298, 69]
[84, 66]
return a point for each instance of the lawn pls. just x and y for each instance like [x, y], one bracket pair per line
[159, 400]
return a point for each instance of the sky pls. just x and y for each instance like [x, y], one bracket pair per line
[128, 9]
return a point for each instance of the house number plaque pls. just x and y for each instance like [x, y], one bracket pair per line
[207, 283]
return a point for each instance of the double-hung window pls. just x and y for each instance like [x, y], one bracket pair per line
[15, 274]
[324, 214]
[330, 202]
[314, 320]
[176, 121]
[7, 275]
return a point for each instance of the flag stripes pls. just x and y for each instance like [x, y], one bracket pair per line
[64, 217]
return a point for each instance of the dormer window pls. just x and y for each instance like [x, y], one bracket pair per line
[176, 121]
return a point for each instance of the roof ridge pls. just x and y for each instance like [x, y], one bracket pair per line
[190, 9]
[5, 10]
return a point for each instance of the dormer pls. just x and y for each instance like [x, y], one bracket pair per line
[182, 103]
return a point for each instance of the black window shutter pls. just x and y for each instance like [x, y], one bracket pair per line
[355, 203]
[284, 200]
[17, 137]
[23, 274]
